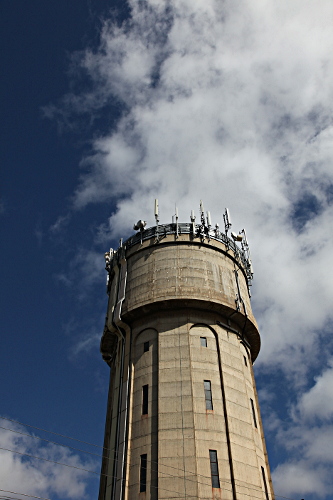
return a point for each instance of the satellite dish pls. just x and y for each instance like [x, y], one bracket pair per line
[140, 225]
[237, 237]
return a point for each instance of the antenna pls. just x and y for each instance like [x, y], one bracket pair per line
[247, 254]
[209, 221]
[245, 244]
[193, 222]
[176, 214]
[202, 214]
[156, 211]
[140, 225]
[236, 237]
[157, 238]
[226, 220]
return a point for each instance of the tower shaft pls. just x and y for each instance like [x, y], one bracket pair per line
[183, 419]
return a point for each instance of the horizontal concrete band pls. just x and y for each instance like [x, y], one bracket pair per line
[239, 324]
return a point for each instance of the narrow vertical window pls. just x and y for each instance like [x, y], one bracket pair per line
[265, 484]
[214, 469]
[245, 361]
[208, 395]
[143, 473]
[145, 400]
[253, 413]
[146, 346]
[203, 341]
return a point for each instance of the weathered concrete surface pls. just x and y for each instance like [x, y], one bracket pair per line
[178, 291]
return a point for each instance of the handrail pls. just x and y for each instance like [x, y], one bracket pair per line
[203, 232]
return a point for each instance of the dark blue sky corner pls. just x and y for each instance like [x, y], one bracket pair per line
[305, 209]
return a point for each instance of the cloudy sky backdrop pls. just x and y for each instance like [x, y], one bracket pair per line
[109, 105]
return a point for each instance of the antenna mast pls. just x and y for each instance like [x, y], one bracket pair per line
[157, 220]
[202, 214]
[247, 254]
[226, 220]
[176, 214]
[193, 222]
[156, 211]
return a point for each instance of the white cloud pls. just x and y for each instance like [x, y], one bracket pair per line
[18, 472]
[319, 445]
[293, 478]
[59, 224]
[318, 401]
[308, 470]
[306, 438]
[86, 344]
[88, 267]
[85, 270]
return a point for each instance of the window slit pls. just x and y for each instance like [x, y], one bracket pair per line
[208, 395]
[265, 484]
[253, 413]
[143, 472]
[203, 341]
[145, 399]
[214, 468]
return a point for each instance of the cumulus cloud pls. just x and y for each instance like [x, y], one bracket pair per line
[232, 102]
[59, 224]
[19, 472]
[306, 438]
[308, 468]
[317, 403]
[295, 477]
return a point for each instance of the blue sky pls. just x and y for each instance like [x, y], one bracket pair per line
[108, 105]
[48, 380]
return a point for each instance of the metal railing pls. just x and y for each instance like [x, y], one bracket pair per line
[200, 231]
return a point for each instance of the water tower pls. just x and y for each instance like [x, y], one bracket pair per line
[183, 419]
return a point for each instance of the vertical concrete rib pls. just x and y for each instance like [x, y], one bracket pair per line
[182, 411]
[225, 411]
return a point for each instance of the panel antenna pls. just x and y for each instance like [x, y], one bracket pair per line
[202, 214]
[156, 211]
[227, 223]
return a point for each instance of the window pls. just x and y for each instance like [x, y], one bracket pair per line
[214, 469]
[253, 413]
[146, 346]
[145, 400]
[245, 361]
[203, 341]
[143, 473]
[208, 395]
[265, 484]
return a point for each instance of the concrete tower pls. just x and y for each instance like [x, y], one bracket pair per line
[183, 419]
